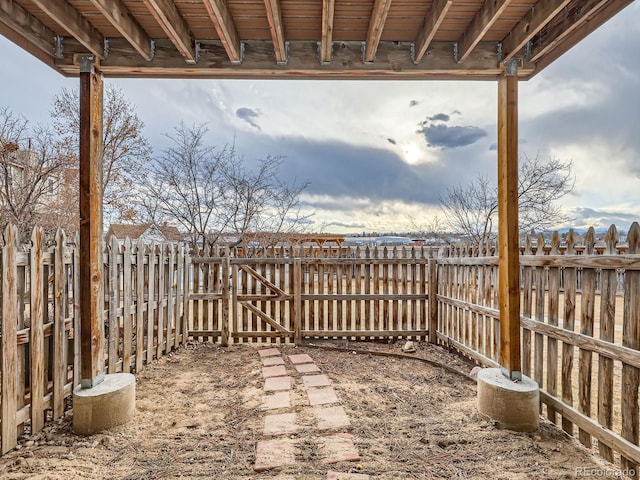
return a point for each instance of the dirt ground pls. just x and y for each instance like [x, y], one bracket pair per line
[198, 416]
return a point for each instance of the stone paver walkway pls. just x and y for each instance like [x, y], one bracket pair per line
[280, 429]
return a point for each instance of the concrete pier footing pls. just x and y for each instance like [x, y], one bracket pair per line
[512, 405]
[108, 404]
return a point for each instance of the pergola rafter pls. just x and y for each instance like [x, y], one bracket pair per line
[376, 25]
[73, 22]
[173, 24]
[225, 28]
[479, 26]
[432, 23]
[274, 16]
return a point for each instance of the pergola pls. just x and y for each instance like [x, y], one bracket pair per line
[499, 40]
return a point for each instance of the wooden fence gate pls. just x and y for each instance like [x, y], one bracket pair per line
[285, 294]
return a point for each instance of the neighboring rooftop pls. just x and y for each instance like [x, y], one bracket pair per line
[147, 231]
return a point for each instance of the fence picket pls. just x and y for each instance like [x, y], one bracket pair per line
[631, 339]
[36, 340]
[60, 346]
[9, 342]
[608, 288]
[127, 325]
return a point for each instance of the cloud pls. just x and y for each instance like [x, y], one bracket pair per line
[248, 115]
[439, 117]
[443, 136]
[601, 219]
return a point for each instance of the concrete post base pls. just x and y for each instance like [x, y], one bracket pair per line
[108, 404]
[513, 405]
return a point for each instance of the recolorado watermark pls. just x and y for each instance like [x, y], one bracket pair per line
[604, 472]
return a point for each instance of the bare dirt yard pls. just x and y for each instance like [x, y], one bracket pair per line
[199, 415]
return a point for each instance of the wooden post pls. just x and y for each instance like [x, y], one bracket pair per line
[224, 327]
[9, 342]
[508, 242]
[433, 298]
[91, 294]
[297, 300]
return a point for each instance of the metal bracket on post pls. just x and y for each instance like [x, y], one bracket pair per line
[511, 67]
[527, 51]
[320, 53]
[515, 376]
[105, 52]
[59, 47]
[455, 52]
[238, 62]
[499, 51]
[286, 55]
[152, 50]
[87, 62]
[197, 54]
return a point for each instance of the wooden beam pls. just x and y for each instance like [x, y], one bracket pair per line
[432, 23]
[26, 26]
[328, 11]
[258, 62]
[376, 25]
[539, 16]
[174, 25]
[226, 29]
[508, 238]
[479, 26]
[578, 34]
[578, 12]
[90, 271]
[73, 22]
[121, 19]
[274, 16]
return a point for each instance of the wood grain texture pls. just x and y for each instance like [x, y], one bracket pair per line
[508, 238]
[91, 289]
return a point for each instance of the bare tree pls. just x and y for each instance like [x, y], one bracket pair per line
[472, 209]
[125, 149]
[210, 191]
[32, 164]
[434, 228]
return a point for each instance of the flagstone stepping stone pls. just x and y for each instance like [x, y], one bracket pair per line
[280, 424]
[274, 453]
[321, 396]
[269, 361]
[338, 448]
[302, 358]
[277, 400]
[346, 476]
[268, 352]
[274, 371]
[307, 368]
[272, 384]
[315, 381]
[331, 418]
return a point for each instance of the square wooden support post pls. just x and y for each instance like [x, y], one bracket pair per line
[90, 265]
[508, 234]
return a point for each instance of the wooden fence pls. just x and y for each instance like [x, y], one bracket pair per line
[39, 347]
[580, 335]
[576, 302]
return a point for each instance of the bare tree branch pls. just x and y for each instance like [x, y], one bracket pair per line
[472, 209]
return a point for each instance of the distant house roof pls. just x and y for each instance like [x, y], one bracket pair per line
[151, 231]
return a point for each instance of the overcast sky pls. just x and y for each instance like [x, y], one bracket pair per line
[380, 153]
